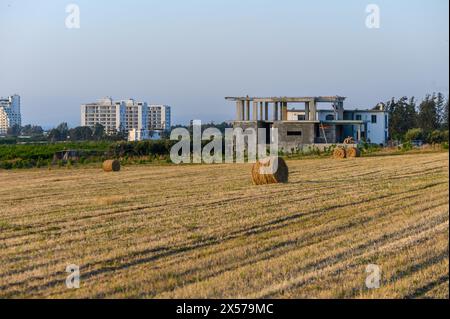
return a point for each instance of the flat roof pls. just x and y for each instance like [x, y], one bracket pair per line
[347, 110]
[301, 99]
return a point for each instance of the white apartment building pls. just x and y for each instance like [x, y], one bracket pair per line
[9, 113]
[159, 118]
[128, 116]
[106, 112]
[136, 115]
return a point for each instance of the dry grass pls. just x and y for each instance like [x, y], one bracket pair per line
[206, 231]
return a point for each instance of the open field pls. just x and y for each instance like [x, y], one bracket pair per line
[206, 231]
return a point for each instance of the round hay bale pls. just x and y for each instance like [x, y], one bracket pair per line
[111, 165]
[265, 171]
[353, 152]
[339, 153]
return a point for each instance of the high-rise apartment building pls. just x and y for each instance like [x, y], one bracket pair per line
[159, 118]
[123, 116]
[106, 112]
[128, 116]
[9, 113]
[136, 115]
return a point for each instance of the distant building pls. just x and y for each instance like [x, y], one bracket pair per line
[310, 125]
[375, 126]
[136, 115]
[135, 135]
[129, 116]
[106, 112]
[159, 118]
[9, 113]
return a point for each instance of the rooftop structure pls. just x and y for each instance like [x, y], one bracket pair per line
[260, 110]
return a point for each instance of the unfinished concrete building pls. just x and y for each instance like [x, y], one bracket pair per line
[307, 126]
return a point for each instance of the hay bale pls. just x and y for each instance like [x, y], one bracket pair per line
[339, 153]
[111, 165]
[349, 140]
[263, 171]
[353, 152]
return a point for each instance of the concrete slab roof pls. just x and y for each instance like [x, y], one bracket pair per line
[325, 99]
[345, 111]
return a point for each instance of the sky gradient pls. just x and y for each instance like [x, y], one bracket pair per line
[191, 54]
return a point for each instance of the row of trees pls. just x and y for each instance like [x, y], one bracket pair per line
[63, 133]
[27, 130]
[428, 117]
[82, 133]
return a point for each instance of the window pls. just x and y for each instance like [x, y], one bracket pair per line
[374, 119]
[329, 117]
[358, 117]
[294, 133]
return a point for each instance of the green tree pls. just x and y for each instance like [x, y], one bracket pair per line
[14, 130]
[414, 134]
[54, 135]
[80, 133]
[98, 132]
[444, 121]
[403, 116]
[429, 114]
[63, 129]
[32, 130]
[440, 107]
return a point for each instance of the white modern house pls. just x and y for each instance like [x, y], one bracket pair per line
[375, 122]
[9, 113]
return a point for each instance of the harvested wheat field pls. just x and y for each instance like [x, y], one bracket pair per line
[207, 231]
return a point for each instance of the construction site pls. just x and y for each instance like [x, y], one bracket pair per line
[311, 124]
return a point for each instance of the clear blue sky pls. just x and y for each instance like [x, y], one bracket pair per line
[191, 54]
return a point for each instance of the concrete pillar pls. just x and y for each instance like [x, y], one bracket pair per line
[239, 111]
[358, 135]
[340, 111]
[261, 111]
[266, 111]
[255, 111]
[284, 113]
[312, 111]
[247, 110]
[275, 111]
[307, 111]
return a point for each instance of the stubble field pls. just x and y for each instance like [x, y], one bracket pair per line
[206, 231]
